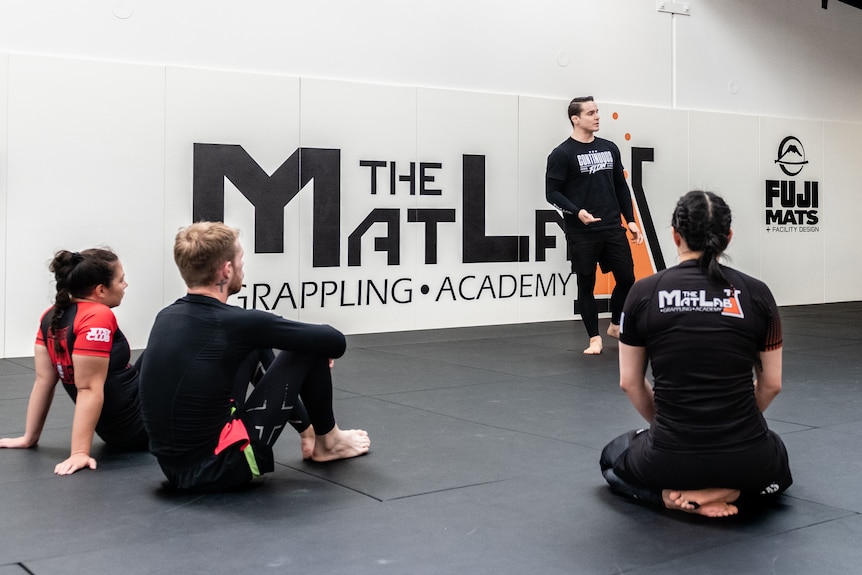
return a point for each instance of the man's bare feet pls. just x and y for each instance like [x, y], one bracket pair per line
[341, 444]
[307, 440]
[614, 330]
[717, 502]
[595, 346]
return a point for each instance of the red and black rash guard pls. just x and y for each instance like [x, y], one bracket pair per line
[703, 341]
[90, 328]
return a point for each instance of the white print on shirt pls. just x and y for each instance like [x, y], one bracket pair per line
[772, 488]
[595, 161]
[685, 300]
[99, 334]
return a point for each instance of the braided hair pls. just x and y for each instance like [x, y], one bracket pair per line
[703, 221]
[77, 274]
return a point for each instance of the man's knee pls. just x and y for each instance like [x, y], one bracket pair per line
[586, 281]
[624, 278]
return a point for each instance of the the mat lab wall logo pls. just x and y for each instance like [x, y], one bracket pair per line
[792, 206]
[321, 168]
[269, 194]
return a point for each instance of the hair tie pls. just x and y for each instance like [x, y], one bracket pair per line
[77, 257]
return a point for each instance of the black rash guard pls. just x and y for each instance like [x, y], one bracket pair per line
[194, 351]
[703, 341]
[588, 176]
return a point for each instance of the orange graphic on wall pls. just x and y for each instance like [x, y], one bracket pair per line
[644, 265]
[640, 254]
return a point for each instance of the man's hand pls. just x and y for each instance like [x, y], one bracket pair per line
[587, 217]
[637, 236]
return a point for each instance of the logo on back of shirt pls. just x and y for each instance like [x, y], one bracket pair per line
[102, 334]
[594, 161]
[697, 300]
[735, 308]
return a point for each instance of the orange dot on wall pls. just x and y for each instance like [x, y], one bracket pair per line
[628, 137]
[616, 116]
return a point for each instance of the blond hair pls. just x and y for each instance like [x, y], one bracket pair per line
[200, 250]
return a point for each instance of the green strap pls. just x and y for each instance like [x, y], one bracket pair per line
[249, 453]
[252, 462]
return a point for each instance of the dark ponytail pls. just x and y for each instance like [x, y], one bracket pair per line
[77, 274]
[703, 221]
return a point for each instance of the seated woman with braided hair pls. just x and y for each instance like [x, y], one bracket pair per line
[712, 336]
[80, 344]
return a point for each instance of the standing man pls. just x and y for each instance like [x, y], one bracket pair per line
[585, 180]
[201, 357]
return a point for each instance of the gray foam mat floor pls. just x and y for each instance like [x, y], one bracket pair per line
[485, 446]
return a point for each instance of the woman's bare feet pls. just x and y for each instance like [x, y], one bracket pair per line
[307, 441]
[614, 330]
[341, 444]
[716, 502]
[595, 346]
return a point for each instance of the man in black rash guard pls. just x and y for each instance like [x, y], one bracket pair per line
[585, 181]
[200, 358]
[705, 329]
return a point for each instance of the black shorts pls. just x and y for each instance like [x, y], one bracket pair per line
[223, 472]
[607, 248]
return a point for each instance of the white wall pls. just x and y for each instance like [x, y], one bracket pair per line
[4, 81]
[85, 167]
[99, 116]
[790, 58]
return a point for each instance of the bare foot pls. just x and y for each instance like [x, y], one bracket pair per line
[697, 497]
[595, 346]
[614, 330]
[341, 444]
[717, 509]
[307, 440]
[716, 502]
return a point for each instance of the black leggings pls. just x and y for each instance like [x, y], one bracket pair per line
[610, 249]
[290, 388]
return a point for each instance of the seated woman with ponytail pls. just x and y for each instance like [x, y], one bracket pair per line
[712, 336]
[79, 343]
